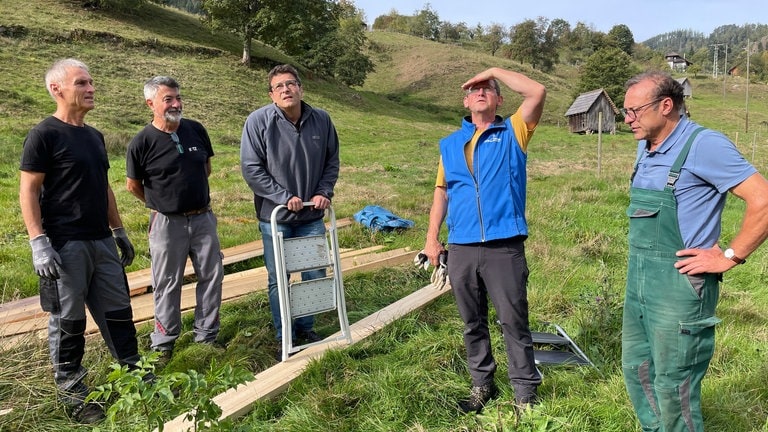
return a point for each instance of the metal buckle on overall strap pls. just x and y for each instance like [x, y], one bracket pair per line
[672, 179]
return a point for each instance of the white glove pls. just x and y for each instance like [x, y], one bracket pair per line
[439, 277]
[421, 260]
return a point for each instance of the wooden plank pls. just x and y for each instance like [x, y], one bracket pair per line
[139, 281]
[238, 401]
[234, 285]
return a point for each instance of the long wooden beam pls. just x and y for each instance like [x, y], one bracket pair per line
[239, 401]
[139, 281]
[235, 285]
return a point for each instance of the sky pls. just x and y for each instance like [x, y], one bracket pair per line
[645, 18]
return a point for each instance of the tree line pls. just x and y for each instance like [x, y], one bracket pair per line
[329, 38]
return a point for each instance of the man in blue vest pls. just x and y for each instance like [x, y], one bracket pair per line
[679, 186]
[480, 194]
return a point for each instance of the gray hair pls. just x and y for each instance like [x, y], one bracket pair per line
[58, 72]
[153, 84]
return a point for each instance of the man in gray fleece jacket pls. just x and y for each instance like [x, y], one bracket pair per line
[289, 154]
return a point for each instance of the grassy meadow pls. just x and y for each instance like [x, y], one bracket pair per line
[408, 376]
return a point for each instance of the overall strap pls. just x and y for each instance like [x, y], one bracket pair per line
[674, 171]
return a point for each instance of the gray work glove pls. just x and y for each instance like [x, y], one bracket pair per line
[124, 244]
[46, 260]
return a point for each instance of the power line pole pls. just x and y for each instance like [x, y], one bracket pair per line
[714, 61]
[746, 109]
[725, 69]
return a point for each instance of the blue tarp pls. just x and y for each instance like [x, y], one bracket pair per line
[380, 219]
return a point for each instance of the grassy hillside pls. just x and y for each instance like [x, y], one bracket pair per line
[408, 376]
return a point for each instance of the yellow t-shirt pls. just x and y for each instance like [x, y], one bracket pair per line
[522, 134]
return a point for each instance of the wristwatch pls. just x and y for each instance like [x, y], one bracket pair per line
[731, 255]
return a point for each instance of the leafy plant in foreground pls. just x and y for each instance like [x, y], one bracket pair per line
[135, 395]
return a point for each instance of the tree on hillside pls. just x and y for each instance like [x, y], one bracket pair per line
[454, 32]
[493, 37]
[623, 38]
[326, 36]
[560, 29]
[609, 69]
[238, 16]
[525, 43]
[425, 24]
[352, 66]
[533, 42]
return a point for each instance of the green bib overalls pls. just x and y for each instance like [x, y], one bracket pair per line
[668, 329]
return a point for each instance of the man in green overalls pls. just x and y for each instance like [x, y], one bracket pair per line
[678, 190]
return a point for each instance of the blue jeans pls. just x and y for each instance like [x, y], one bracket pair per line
[317, 227]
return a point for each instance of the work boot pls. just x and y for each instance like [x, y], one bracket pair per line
[88, 413]
[478, 397]
[81, 412]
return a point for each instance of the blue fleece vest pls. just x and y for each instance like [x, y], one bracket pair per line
[489, 205]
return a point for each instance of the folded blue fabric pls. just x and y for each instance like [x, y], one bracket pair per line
[380, 219]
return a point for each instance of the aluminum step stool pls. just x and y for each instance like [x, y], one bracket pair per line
[558, 348]
[304, 298]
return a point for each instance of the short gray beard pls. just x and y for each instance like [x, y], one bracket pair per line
[173, 117]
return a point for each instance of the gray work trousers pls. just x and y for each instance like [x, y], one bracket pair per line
[91, 275]
[173, 238]
[499, 270]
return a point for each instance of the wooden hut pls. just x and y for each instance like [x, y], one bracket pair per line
[687, 88]
[583, 115]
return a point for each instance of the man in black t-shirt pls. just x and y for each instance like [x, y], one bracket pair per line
[168, 164]
[71, 217]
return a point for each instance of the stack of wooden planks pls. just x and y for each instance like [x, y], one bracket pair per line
[23, 317]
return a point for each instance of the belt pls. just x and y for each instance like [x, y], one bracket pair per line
[191, 212]
[196, 212]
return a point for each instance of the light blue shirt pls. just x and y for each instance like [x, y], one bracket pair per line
[714, 166]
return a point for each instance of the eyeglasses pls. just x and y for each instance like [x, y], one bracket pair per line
[632, 113]
[486, 89]
[176, 140]
[292, 84]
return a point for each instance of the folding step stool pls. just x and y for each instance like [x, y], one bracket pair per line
[304, 298]
[558, 348]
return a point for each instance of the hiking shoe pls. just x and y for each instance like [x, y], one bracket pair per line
[478, 397]
[88, 413]
[308, 336]
[163, 358]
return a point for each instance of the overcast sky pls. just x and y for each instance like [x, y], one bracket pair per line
[645, 18]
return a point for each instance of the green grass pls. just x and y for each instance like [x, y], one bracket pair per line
[408, 376]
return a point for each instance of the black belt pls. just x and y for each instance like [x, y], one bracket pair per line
[191, 212]
[196, 212]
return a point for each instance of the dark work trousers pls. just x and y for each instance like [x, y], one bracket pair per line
[91, 274]
[498, 270]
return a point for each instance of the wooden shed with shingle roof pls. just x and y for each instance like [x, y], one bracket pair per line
[584, 113]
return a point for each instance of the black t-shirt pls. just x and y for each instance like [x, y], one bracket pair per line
[174, 176]
[74, 199]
